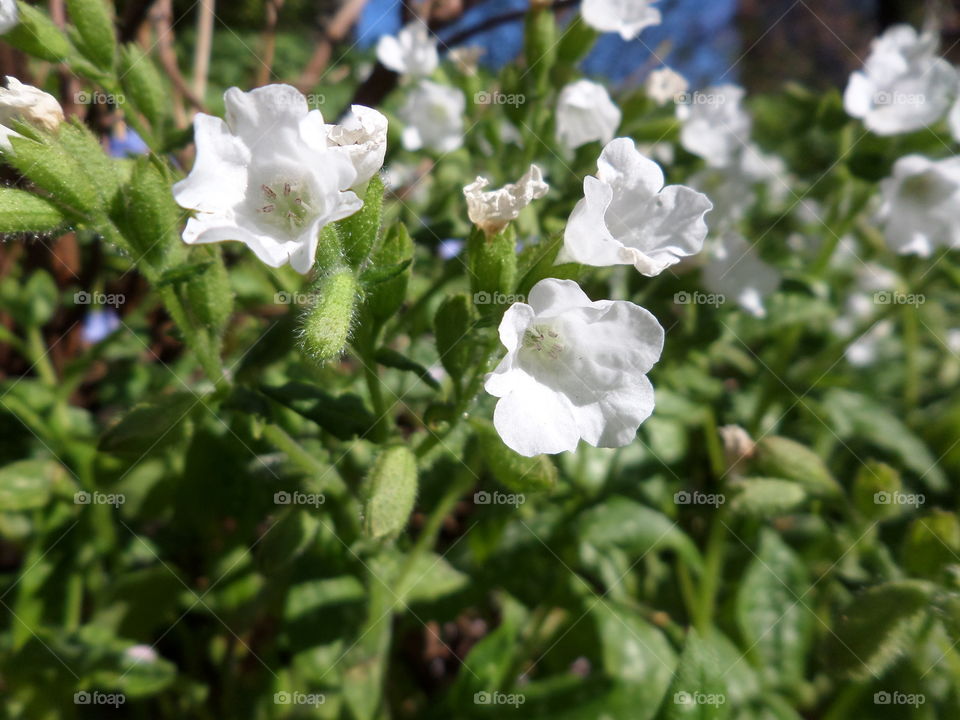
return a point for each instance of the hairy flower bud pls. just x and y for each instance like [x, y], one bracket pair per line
[326, 325]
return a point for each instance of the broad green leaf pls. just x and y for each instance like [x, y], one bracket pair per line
[343, 416]
[626, 523]
[391, 358]
[766, 497]
[150, 425]
[24, 212]
[876, 626]
[771, 612]
[861, 418]
[699, 688]
[94, 23]
[27, 484]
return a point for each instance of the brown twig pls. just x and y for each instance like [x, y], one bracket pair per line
[335, 31]
[161, 18]
[273, 8]
[201, 55]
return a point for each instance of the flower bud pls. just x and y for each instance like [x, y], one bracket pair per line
[326, 325]
[511, 469]
[392, 490]
[29, 105]
[784, 458]
[492, 261]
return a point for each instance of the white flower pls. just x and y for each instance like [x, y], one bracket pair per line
[665, 84]
[412, 52]
[9, 15]
[627, 17]
[573, 369]
[363, 138]
[628, 217]
[266, 177]
[492, 211]
[715, 125]
[29, 105]
[904, 86]
[921, 205]
[953, 120]
[141, 653]
[734, 270]
[586, 113]
[433, 114]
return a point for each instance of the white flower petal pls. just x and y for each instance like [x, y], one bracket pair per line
[29, 105]
[9, 15]
[921, 205]
[362, 136]
[585, 113]
[574, 368]
[626, 17]
[628, 217]
[736, 271]
[412, 52]
[492, 211]
[433, 114]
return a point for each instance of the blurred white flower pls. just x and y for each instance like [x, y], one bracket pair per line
[921, 205]
[904, 85]
[628, 217]
[665, 85]
[433, 114]
[627, 17]
[363, 138]
[860, 306]
[735, 270]
[9, 15]
[266, 177]
[586, 113]
[141, 653]
[412, 52]
[492, 211]
[715, 125]
[29, 105]
[573, 369]
[733, 190]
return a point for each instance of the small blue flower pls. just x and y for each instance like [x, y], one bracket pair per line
[98, 324]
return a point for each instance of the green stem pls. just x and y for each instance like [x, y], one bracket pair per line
[911, 341]
[296, 453]
[712, 571]
[38, 354]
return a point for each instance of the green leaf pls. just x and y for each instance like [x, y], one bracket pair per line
[635, 652]
[27, 484]
[149, 426]
[451, 326]
[60, 174]
[182, 273]
[149, 217]
[358, 232]
[292, 535]
[766, 497]
[24, 212]
[40, 298]
[343, 416]
[699, 688]
[391, 358]
[876, 626]
[391, 493]
[932, 543]
[37, 35]
[144, 84]
[857, 417]
[515, 471]
[625, 523]
[94, 23]
[774, 622]
[784, 458]
[85, 149]
[386, 279]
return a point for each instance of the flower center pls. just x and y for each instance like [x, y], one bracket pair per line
[543, 342]
[285, 204]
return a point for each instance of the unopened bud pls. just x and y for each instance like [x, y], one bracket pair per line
[29, 105]
[326, 326]
[738, 446]
[391, 493]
